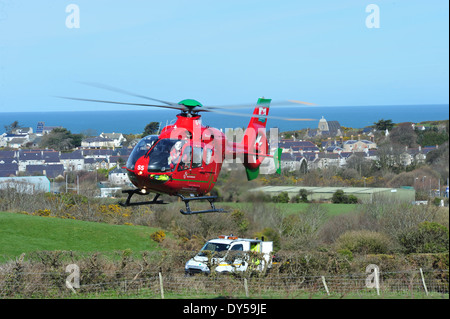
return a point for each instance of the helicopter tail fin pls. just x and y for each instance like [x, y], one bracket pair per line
[254, 142]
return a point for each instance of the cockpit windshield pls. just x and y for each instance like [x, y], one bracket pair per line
[165, 155]
[141, 149]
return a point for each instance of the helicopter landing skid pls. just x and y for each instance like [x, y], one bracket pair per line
[131, 192]
[210, 199]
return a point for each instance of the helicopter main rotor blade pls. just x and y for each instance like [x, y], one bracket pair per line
[117, 90]
[242, 106]
[302, 102]
[176, 107]
[263, 116]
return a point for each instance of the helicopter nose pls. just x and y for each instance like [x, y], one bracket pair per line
[140, 168]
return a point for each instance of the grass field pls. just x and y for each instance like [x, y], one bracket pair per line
[20, 233]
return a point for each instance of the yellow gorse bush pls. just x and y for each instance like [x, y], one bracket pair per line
[158, 236]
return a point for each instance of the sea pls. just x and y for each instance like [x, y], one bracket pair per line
[134, 121]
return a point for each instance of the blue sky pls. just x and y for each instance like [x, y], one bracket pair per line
[223, 52]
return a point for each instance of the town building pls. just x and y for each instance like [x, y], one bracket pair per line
[326, 128]
[26, 184]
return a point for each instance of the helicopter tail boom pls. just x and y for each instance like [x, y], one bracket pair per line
[254, 142]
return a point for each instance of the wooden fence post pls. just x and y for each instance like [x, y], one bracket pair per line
[423, 281]
[246, 287]
[325, 285]
[161, 287]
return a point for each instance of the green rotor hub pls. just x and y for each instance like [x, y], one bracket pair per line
[190, 103]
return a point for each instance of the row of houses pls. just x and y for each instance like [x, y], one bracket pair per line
[297, 155]
[104, 140]
[304, 155]
[26, 137]
[53, 164]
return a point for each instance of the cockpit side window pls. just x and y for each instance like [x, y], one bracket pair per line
[197, 157]
[185, 159]
[165, 155]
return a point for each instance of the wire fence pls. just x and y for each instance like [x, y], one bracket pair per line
[417, 283]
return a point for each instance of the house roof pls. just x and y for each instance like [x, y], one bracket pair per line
[73, 155]
[346, 154]
[290, 143]
[310, 156]
[329, 155]
[333, 126]
[51, 171]
[286, 157]
[30, 155]
[334, 148]
[115, 159]
[51, 157]
[8, 166]
[7, 154]
[8, 169]
[96, 152]
[305, 148]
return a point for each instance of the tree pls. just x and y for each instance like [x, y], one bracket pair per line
[389, 157]
[11, 127]
[61, 139]
[383, 125]
[359, 163]
[404, 135]
[151, 128]
[428, 138]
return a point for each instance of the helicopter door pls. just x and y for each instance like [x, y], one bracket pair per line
[209, 167]
[185, 159]
[201, 162]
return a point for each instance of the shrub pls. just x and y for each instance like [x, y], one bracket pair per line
[351, 199]
[427, 237]
[346, 253]
[158, 236]
[364, 242]
[303, 195]
[339, 197]
[42, 212]
[283, 197]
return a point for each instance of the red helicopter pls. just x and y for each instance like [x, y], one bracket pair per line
[185, 159]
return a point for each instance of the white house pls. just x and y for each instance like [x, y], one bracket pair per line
[73, 161]
[358, 145]
[117, 138]
[118, 176]
[97, 142]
